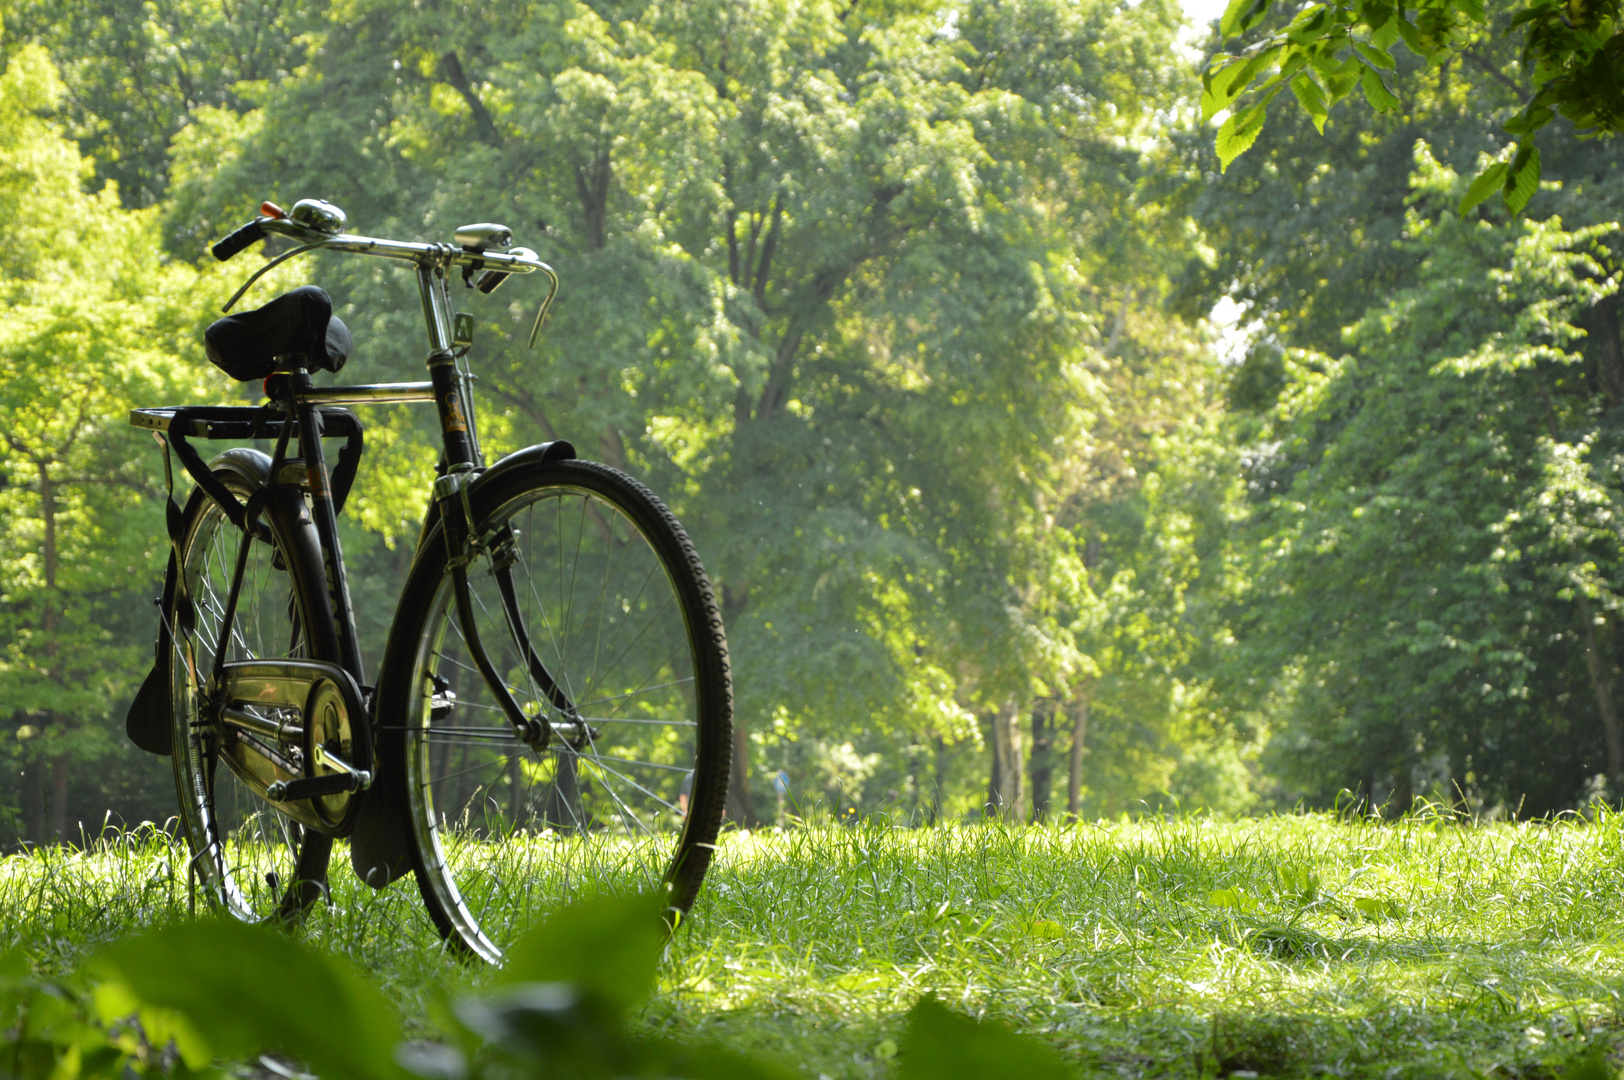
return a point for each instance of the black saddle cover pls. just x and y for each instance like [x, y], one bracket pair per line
[252, 344]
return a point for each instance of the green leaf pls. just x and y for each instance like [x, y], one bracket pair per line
[1372, 907]
[1412, 37]
[1523, 178]
[1241, 15]
[1373, 57]
[1385, 34]
[1381, 99]
[607, 946]
[1044, 930]
[1232, 898]
[1528, 121]
[1312, 99]
[1340, 84]
[1485, 184]
[1230, 81]
[1239, 132]
[1592, 1066]
[1311, 25]
[246, 989]
[1224, 86]
[942, 1045]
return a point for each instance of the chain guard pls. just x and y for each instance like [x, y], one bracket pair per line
[288, 710]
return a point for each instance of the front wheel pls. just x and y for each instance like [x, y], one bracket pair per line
[633, 689]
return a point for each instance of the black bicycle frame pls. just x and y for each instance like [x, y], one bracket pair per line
[318, 412]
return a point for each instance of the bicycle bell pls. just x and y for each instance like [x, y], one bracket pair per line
[487, 236]
[484, 237]
[318, 215]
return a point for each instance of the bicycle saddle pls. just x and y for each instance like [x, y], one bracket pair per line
[252, 344]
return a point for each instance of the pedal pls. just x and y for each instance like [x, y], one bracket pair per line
[317, 787]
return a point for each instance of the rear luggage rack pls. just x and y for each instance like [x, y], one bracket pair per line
[239, 422]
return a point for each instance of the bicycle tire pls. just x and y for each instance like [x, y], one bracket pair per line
[250, 858]
[655, 682]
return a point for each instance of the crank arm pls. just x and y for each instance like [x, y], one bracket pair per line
[316, 787]
[346, 779]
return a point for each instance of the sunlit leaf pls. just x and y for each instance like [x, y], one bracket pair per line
[1522, 178]
[1485, 184]
[246, 989]
[609, 946]
[1312, 99]
[1239, 131]
[1381, 99]
[1241, 15]
[1232, 898]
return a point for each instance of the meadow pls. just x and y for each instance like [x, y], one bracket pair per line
[1289, 946]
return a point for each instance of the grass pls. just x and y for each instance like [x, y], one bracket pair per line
[1189, 947]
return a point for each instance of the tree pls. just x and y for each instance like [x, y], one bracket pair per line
[91, 329]
[1439, 557]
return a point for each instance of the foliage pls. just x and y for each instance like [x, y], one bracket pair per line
[96, 322]
[1437, 540]
[1572, 58]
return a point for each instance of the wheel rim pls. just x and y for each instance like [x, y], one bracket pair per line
[244, 851]
[608, 624]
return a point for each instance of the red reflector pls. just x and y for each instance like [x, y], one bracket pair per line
[271, 210]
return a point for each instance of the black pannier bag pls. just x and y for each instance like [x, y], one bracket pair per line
[252, 344]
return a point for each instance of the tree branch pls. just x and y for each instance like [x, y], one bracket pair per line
[451, 68]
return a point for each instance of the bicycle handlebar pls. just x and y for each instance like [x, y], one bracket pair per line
[272, 220]
[407, 251]
[226, 248]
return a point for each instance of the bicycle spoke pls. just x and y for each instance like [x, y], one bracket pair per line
[639, 690]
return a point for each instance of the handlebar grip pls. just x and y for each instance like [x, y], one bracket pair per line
[225, 249]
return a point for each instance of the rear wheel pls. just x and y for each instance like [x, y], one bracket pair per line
[610, 593]
[249, 857]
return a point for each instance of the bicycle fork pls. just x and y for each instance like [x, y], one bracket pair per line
[462, 548]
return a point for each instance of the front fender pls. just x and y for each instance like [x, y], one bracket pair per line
[539, 454]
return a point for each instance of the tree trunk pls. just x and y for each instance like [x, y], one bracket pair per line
[1403, 789]
[59, 798]
[937, 775]
[34, 800]
[995, 790]
[1079, 741]
[1009, 799]
[59, 765]
[1041, 765]
[915, 763]
[739, 807]
[1602, 687]
[564, 811]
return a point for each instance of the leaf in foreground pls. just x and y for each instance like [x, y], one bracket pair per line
[245, 989]
[940, 1044]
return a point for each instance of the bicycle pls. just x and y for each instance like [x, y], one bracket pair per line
[569, 690]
